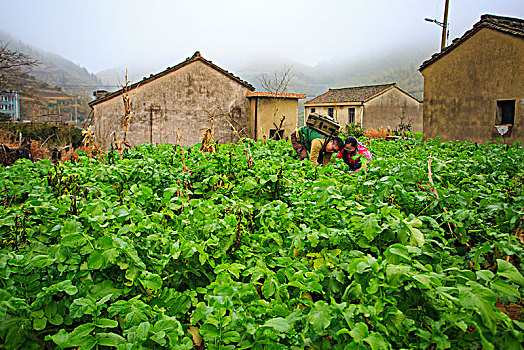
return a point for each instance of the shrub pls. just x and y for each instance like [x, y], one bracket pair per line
[53, 134]
[379, 133]
[352, 129]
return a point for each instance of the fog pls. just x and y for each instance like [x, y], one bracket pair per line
[100, 35]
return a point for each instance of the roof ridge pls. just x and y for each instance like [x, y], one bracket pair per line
[352, 93]
[490, 16]
[196, 57]
[363, 86]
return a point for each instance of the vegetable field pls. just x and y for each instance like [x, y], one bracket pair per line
[248, 248]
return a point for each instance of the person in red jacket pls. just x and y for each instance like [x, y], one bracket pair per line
[352, 152]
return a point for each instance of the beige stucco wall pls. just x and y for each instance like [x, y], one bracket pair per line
[461, 88]
[385, 109]
[380, 111]
[184, 100]
[269, 111]
[340, 112]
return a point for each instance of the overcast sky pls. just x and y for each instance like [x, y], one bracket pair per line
[102, 34]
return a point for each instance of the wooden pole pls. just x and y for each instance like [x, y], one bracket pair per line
[444, 26]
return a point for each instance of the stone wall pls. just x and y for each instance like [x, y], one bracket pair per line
[182, 100]
[461, 89]
[385, 110]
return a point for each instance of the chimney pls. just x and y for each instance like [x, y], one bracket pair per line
[100, 94]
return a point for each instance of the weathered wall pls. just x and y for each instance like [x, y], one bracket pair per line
[385, 110]
[271, 110]
[183, 100]
[340, 112]
[461, 88]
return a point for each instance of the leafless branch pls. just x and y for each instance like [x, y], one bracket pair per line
[277, 82]
[13, 67]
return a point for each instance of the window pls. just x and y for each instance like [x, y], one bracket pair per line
[351, 115]
[331, 112]
[313, 110]
[506, 112]
[276, 136]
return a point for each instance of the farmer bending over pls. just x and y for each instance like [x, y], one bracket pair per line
[306, 140]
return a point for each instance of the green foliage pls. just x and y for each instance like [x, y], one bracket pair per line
[284, 255]
[353, 129]
[55, 135]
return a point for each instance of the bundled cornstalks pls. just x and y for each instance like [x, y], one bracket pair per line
[207, 145]
[89, 142]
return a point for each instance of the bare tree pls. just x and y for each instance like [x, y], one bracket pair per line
[13, 67]
[277, 83]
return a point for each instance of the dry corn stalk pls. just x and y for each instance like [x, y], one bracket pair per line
[246, 152]
[207, 138]
[179, 146]
[127, 111]
[89, 141]
[119, 145]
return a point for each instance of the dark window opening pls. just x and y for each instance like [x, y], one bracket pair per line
[351, 115]
[331, 112]
[276, 136]
[506, 112]
[313, 110]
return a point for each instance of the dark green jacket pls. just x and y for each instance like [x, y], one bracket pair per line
[314, 143]
[305, 136]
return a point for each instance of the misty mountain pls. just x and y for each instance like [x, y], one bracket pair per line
[54, 69]
[400, 66]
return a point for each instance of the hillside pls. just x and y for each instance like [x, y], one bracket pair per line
[54, 69]
[43, 102]
[400, 66]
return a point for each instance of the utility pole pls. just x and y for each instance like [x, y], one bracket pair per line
[76, 114]
[444, 26]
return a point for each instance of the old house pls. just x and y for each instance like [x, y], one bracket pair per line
[474, 88]
[182, 99]
[372, 106]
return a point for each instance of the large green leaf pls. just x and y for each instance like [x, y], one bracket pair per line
[280, 324]
[359, 332]
[110, 339]
[416, 237]
[509, 271]
[476, 297]
[370, 226]
[320, 316]
[151, 281]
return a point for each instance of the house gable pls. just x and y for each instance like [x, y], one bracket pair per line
[195, 58]
[463, 88]
[393, 87]
[387, 108]
[181, 102]
[509, 25]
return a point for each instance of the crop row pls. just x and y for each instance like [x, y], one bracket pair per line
[169, 247]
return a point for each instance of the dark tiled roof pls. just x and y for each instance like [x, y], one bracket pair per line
[509, 25]
[350, 94]
[196, 57]
[275, 94]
